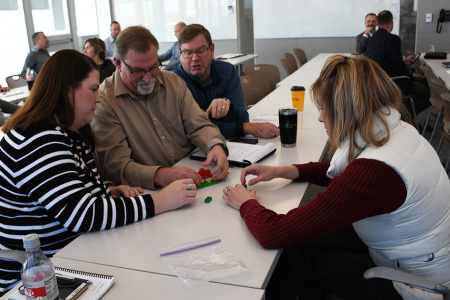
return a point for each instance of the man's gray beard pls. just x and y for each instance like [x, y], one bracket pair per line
[146, 90]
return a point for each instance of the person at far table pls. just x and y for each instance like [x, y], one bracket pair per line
[5, 106]
[4, 89]
[38, 56]
[49, 180]
[363, 38]
[386, 201]
[385, 48]
[147, 120]
[110, 41]
[95, 49]
[216, 85]
[173, 53]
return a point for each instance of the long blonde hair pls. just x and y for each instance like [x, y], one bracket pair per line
[353, 91]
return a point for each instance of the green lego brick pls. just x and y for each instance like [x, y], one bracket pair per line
[206, 184]
[208, 199]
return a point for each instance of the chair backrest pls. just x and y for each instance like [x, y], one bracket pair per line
[417, 70]
[270, 72]
[289, 67]
[301, 56]
[255, 88]
[446, 103]
[15, 81]
[291, 58]
[435, 97]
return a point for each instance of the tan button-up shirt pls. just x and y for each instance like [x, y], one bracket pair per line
[136, 136]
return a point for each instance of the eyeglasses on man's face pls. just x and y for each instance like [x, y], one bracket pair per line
[200, 52]
[140, 72]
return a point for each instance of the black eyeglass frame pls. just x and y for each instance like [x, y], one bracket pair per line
[145, 71]
[195, 52]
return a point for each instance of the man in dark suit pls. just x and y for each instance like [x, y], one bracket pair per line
[385, 48]
[363, 38]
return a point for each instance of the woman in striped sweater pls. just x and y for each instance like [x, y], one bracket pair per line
[386, 201]
[49, 183]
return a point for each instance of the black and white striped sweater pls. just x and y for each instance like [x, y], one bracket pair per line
[49, 185]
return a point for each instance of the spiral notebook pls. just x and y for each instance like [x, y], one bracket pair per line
[267, 118]
[241, 155]
[98, 286]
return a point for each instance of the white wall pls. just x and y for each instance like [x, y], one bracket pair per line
[426, 34]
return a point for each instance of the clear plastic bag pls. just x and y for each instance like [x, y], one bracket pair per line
[202, 260]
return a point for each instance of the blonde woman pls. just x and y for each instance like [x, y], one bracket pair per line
[386, 201]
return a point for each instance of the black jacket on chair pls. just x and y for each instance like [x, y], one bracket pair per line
[385, 48]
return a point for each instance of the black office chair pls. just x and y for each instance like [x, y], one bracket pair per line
[409, 279]
[408, 98]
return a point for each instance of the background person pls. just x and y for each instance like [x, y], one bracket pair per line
[4, 89]
[147, 120]
[95, 49]
[386, 201]
[39, 55]
[5, 106]
[216, 85]
[385, 48]
[110, 41]
[173, 53]
[49, 180]
[363, 38]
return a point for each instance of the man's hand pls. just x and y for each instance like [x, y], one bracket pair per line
[264, 130]
[408, 60]
[4, 89]
[217, 155]
[165, 176]
[369, 29]
[218, 108]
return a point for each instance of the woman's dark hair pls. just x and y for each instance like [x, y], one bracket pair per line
[99, 47]
[49, 98]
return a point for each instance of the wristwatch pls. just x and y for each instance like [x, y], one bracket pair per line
[225, 148]
[228, 100]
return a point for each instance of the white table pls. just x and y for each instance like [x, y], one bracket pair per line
[281, 96]
[300, 78]
[136, 246]
[241, 59]
[16, 95]
[131, 284]
[238, 61]
[437, 68]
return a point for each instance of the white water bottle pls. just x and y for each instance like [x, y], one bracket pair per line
[38, 273]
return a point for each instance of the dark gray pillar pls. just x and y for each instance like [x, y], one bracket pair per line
[244, 19]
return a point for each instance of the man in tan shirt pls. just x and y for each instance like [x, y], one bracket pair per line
[148, 119]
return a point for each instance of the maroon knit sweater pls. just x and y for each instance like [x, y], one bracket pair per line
[366, 188]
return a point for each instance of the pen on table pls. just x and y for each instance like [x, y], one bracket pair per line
[73, 278]
[14, 94]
